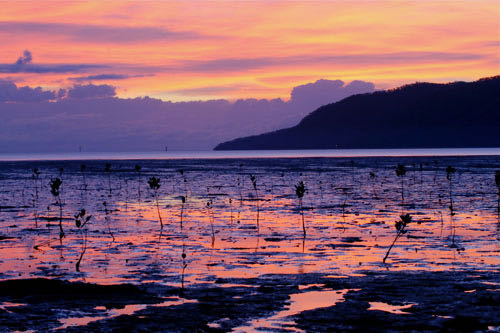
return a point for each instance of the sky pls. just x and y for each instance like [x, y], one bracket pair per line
[202, 50]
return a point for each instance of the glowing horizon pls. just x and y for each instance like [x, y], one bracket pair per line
[176, 50]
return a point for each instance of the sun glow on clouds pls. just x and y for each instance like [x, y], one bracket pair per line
[183, 50]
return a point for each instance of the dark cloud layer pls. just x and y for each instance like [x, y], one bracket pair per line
[99, 33]
[90, 116]
[239, 64]
[99, 77]
[91, 91]
[9, 92]
[24, 64]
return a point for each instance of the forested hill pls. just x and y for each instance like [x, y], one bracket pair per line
[420, 115]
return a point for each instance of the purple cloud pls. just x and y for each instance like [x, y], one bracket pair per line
[99, 33]
[104, 77]
[235, 64]
[24, 64]
[9, 92]
[324, 92]
[26, 58]
[146, 124]
[91, 91]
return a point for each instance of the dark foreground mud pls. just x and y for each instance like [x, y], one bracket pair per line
[428, 301]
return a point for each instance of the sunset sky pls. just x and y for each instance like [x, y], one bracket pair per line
[189, 50]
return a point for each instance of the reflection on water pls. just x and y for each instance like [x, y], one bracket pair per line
[395, 309]
[298, 303]
[350, 208]
[128, 309]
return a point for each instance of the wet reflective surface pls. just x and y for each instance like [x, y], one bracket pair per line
[350, 208]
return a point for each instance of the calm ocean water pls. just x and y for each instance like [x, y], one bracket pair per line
[249, 154]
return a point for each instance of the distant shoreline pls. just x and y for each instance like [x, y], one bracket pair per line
[242, 154]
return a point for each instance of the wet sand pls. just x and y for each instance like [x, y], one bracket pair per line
[256, 269]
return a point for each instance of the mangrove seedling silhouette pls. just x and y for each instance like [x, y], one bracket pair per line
[55, 187]
[154, 184]
[183, 201]
[81, 219]
[212, 218]
[107, 219]
[107, 169]
[450, 171]
[231, 210]
[254, 183]
[184, 265]
[401, 172]
[497, 182]
[300, 190]
[36, 178]
[184, 180]
[138, 171]
[401, 230]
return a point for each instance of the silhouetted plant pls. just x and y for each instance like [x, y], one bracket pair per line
[401, 172]
[184, 265]
[240, 187]
[36, 178]
[212, 218]
[450, 171]
[401, 230]
[184, 180]
[300, 190]
[81, 219]
[138, 170]
[154, 184]
[372, 178]
[497, 181]
[107, 169]
[231, 210]
[254, 183]
[55, 186]
[83, 167]
[183, 201]
[107, 219]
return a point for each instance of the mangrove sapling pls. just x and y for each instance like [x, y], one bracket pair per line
[55, 187]
[497, 181]
[107, 169]
[449, 176]
[36, 178]
[231, 210]
[138, 171]
[450, 171]
[84, 182]
[254, 183]
[239, 186]
[81, 219]
[372, 178]
[300, 190]
[154, 184]
[212, 219]
[107, 219]
[401, 172]
[401, 230]
[184, 265]
[183, 201]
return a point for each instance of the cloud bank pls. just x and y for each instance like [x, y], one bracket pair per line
[99, 33]
[91, 116]
[9, 92]
[24, 64]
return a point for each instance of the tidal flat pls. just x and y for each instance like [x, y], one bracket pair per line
[233, 255]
